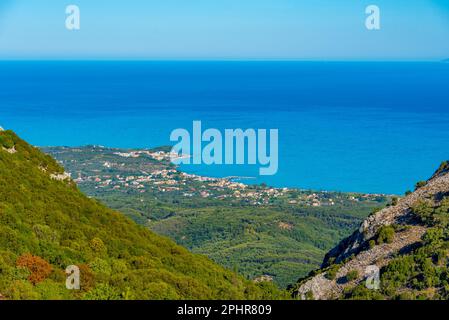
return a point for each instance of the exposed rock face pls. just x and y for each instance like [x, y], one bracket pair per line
[438, 185]
[61, 177]
[11, 150]
[379, 256]
[442, 170]
[264, 278]
[58, 176]
[356, 245]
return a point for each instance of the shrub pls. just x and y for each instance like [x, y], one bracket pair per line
[385, 235]
[394, 201]
[6, 141]
[441, 213]
[45, 233]
[444, 166]
[103, 292]
[407, 295]
[87, 277]
[397, 274]
[361, 292]
[39, 268]
[375, 210]
[309, 295]
[97, 245]
[424, 212]
[100, 266]
[352, 275]
[49, 290]
[332, 272]
[21, 290]
[433, 237]
[420, 184]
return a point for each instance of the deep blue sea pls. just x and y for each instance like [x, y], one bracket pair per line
[346, 126]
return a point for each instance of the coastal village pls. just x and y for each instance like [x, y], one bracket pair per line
[150, 173]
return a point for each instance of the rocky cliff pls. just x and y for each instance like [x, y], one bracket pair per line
[356, 253]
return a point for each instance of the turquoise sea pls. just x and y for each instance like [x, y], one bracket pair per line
[349, 126]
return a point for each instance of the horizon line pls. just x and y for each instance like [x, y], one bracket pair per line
[216, 60]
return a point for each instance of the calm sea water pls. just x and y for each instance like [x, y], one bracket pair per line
[368, 127]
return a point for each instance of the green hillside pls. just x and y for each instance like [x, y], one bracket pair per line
[281, 242]
[47, 224]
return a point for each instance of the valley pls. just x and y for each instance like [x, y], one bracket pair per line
[274, 234]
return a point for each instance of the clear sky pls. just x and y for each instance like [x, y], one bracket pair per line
[225, 29]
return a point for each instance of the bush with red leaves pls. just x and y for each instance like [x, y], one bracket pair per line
[39, 268]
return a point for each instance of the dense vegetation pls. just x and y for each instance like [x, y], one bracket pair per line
[47, 225]
[422, 273]
[283, 242]
[284, 238]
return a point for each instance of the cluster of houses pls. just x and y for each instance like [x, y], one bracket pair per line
[163, 178]
[314, 200]
[171, 180]
[157, 155]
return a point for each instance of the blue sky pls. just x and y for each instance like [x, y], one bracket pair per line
[225, 29]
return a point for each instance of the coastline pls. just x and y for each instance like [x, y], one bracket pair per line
[167, 177]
